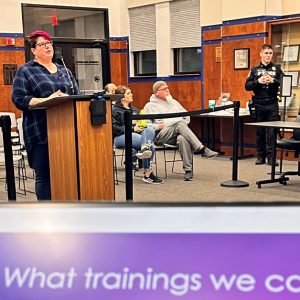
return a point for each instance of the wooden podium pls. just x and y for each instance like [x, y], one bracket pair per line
[80, 154]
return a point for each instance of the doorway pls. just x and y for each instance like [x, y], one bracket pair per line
[87, 62]
[80, 35]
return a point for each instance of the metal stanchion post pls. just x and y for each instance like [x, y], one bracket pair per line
[234, 182]
[5, 123]
[128, 156]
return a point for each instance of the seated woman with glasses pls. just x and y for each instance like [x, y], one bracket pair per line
[142, 137]
[36, 81]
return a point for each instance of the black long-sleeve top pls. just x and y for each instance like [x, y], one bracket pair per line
[263, 91]
[118, 123]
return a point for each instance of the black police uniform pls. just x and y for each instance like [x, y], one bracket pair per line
[266, 105]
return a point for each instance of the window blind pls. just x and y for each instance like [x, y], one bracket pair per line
[142, 22]
[185, 23]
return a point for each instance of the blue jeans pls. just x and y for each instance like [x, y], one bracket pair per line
[139, 139]
[39, 161]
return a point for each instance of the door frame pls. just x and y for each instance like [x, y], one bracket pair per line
[68, 44]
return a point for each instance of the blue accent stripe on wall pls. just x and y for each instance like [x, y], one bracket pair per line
[11, 48]
[119, 38]
[290, 16]
[171, 78]
[211, 27]
[244, 37]
[11, 35]
[251, 20]
[118, 50]
[248, 20]
[212, 42]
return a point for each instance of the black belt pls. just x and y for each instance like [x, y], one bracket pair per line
[265, 101]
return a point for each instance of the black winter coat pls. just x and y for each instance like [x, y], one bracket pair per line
[118, 123]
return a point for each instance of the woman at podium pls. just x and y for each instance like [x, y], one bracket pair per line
[36, 81]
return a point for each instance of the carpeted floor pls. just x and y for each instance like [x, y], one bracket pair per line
[206, 187]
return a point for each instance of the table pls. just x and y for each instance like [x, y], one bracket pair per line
[275, 125]
[228, 113]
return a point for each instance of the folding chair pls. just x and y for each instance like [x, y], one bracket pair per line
[167, 148]
[293, 144]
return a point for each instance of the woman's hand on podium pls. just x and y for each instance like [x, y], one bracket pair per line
[35, 101]
[58, 93]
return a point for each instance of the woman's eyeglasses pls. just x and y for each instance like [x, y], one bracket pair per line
[44, 44]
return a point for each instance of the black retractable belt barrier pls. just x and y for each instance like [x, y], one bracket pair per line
[5, 123]
[128, 117]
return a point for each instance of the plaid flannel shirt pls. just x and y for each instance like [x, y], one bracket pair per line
[33, 80]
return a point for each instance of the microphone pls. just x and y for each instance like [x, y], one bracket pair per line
[70, 81]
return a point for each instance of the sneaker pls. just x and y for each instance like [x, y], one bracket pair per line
[260, 161]
[152, 179]
[144, 153]
[188, 176]
[209, 153]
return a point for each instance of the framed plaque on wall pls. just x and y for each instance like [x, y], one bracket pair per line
[9, 72]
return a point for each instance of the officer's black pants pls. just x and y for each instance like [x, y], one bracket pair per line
[265, 136]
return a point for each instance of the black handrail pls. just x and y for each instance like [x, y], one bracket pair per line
[5, 124]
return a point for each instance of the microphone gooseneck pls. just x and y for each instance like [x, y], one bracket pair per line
[70, 81]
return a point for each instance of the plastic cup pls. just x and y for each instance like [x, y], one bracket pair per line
[211, 104]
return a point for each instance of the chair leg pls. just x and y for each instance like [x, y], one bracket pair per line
[116, 169]
[165, 161]
[122, 156]
[174, 159]
[155, 162]
[23, 175]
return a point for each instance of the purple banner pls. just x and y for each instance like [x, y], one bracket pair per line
[149, 266]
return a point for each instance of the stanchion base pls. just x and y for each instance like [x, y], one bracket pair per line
[234, 183]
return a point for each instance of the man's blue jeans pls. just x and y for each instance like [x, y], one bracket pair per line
[39, 161]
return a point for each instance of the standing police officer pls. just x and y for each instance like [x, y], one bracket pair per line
[264, 81]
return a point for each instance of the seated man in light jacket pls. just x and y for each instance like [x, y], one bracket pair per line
[175, 130]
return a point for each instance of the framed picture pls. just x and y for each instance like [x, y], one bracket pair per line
[241, 58]
[286, 86]
[294, 75]
[291, 53]
[218, 54]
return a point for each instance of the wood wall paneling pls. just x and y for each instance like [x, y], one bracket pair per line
[210, 35]
[141, 93]
[9, 57]
[221, 77]
[212, 74]
[19, 41]
[233, 81]
[188, 93]
[118, 68]
[119, 62]
[243, 29]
